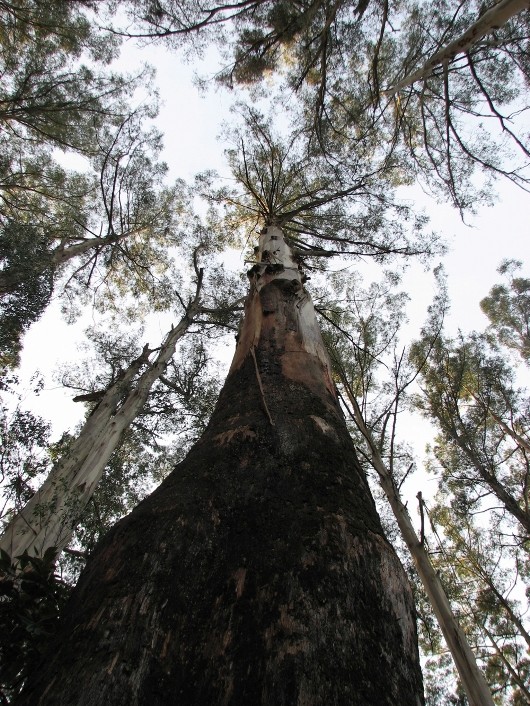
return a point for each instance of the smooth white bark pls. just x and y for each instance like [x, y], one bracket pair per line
[473, 680]
[492, 19]
[11, 278]
[62, 254]
[51, 515]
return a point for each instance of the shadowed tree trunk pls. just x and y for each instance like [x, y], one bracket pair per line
[257, 573]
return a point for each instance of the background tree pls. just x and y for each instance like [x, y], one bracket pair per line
[464, 109]
[483, 420]
[479, 517]
[358, 68]
[54, 106]
[50, 516]
[374, 378]
[508, 308]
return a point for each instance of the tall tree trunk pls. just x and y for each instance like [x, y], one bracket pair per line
[492, 19]
[473, 681]
[258, 572]
[50, 517]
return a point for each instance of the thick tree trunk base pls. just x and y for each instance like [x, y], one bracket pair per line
[256, 574]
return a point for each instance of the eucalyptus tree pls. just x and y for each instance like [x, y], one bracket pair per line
[465, 106]
[48, 519]
[262, 550]
[483, 573]
[107, 234]
[470, 392]
[132, 386]
[507, 306]
[374, 379]
[443, 85]
[59, 100]
[49, 96]
[480, 513]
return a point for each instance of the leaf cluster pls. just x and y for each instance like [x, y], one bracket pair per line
[31, 597]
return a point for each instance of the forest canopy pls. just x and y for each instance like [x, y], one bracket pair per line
[341, 120]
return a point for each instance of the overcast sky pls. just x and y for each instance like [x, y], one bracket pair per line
[191, 122]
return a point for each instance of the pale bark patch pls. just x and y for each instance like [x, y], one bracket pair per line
[324, 426]
[239, 578]
[244, 432]
[112, 664]
[165, 645]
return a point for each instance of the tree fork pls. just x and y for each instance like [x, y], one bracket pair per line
[258, 572]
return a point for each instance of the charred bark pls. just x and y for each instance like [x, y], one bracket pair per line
[258, 572]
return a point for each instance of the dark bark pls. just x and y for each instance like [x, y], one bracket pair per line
[258, 572]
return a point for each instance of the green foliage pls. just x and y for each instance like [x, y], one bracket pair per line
[23, 250]
[466, 114]
[469, 389]
[326, 208]
[463, 117]
[480, 525]
[53, 103]
[24, 438]
[508, 308]
[48, 96]
[31, 597]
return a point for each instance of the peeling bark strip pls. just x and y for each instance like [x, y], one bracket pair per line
[257, 573]
[492, 19]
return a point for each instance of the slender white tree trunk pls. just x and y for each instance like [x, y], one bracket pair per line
[10, 278]
[473, 680]
[494, 18]
[49, 518]
[62, 254]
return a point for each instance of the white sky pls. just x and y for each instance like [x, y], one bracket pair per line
[191, 123]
